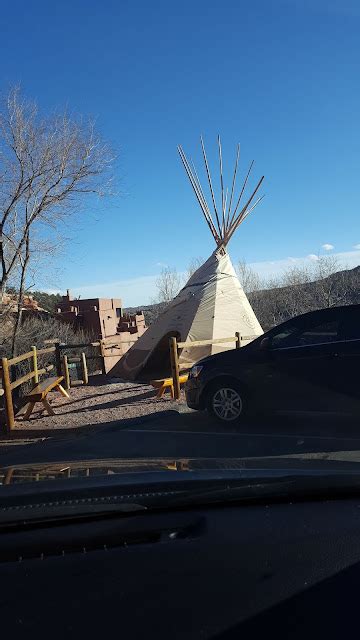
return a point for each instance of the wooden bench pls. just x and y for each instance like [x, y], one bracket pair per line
[167, 383]
[39, 394]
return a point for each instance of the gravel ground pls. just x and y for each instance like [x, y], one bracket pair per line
[100, 402]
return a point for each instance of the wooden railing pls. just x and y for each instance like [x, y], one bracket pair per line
[174, 347]
[71, 360]
[60, 347]
[105, 350]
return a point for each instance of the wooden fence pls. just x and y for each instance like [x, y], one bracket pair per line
[106, 350]
[175, 346]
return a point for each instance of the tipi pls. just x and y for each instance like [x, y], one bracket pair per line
[212, 304]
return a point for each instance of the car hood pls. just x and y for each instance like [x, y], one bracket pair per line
[237, 355]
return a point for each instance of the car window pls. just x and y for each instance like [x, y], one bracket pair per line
[325, 332]
[281, 339]
[315, 334]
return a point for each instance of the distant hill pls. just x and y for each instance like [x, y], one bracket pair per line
[278, 304]
[150, 311]
[47, 301]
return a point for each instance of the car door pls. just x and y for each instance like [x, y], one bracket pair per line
[303, 363]
[349, 360]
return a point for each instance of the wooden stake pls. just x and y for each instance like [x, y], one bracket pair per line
[238, 340]
[9, 407]
[35, 366]
[174, 361]
[66, 373]
[84, 368]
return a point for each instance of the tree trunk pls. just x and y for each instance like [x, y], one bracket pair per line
[20, 297]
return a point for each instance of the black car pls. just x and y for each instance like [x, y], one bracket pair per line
[309, 363]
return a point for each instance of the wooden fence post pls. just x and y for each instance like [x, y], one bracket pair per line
[66, 372]
[35, 366]
[57, 358]
[84, 368]
[174, 361]
[238, 340]
[102, 352]
[9, 407]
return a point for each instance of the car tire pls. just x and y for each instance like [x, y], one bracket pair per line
[226, 401]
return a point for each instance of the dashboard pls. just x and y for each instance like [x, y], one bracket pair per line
[288, 570]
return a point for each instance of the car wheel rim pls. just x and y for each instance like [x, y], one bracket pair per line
[227, 404]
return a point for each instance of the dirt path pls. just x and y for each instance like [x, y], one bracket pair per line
[102, 401]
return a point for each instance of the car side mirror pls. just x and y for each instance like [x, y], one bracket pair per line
[264, 344]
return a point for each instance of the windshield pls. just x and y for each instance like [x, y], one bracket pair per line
[179, 251]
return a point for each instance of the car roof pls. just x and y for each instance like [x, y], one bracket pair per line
[348, 308]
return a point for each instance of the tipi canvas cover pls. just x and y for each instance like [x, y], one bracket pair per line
[211, 305]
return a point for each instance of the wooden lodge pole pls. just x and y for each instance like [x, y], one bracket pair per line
[9, 407]
[174, 361]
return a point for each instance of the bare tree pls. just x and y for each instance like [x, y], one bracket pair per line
[47, 166]
[296, 274]
[168, 285]
[328, 291]
[193, 266]
[249, 279]
[305, 287]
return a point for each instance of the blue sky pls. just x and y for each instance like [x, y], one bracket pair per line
[281, 77]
